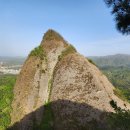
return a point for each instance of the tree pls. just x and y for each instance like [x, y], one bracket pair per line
[121, 11]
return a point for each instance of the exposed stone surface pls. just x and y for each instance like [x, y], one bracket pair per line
[78, 81]
[80, 93]
[32, 86]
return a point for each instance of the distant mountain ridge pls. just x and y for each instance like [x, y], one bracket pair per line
[109, 60]
[6, 60]
[117, 69]
[112, 60]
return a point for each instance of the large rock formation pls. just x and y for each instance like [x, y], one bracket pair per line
[55, 73]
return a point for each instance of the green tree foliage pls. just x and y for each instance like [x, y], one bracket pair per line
[121, 11]
[6, 96]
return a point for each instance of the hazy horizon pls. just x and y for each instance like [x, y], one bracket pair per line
[88, 25]
[84, 55]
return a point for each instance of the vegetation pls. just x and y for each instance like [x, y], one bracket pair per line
[47, 122]
[119, 76]
[120, 119]
[118, 60]
[117, 69]
[70, 49]
[121, 11]
[50, 88]
[6, 95]
[38, 52]
[91, 61]
[52, 35]
[123, 94]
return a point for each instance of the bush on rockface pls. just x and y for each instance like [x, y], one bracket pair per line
[70, 49]
[38, 52]
[91, 61]
[120, 119]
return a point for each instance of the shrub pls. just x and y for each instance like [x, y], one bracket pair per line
[123, 94]
[47, 121]
[114, 105]
[120, 119]
[38, 52]
[91, 61]
[70, 49]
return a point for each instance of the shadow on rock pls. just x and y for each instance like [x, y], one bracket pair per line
[63, 115]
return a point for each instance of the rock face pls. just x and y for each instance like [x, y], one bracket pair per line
[78, 92]
[83, 92]
[32, 86]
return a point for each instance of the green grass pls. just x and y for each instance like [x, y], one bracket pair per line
[7, 80]
[38, 52]
[70, 49]
[6, 96]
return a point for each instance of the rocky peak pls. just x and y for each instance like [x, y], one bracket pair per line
[75, 89]
[32, 88]
[52, 35]
[52, 40]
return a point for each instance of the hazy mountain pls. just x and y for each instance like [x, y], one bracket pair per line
[112, 60]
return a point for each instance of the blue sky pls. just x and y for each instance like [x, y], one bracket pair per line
[87, 24]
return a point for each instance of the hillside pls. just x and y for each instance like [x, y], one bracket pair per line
[112, 60]
[60, 89]
[117, 69]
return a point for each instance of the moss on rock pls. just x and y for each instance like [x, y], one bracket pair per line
[70, 49]
[38, 52]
